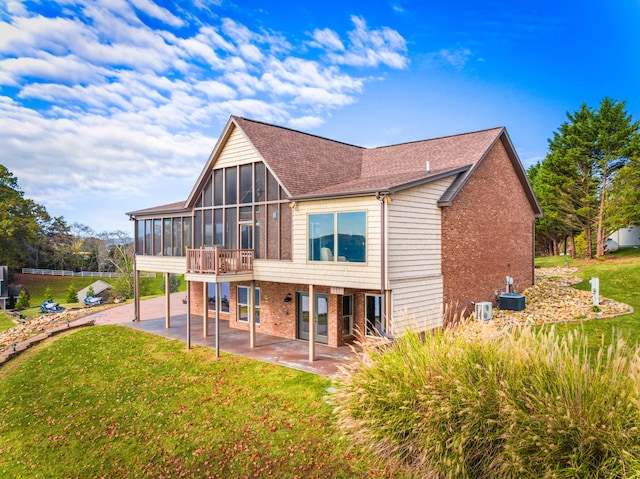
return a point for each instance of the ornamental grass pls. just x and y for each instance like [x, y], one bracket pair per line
[528, 404]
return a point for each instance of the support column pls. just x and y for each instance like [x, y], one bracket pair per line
[205, 309]
[188, 314]
[312, 323]
[136, 295]
[218, 303]
[167, 301]
[252, 315]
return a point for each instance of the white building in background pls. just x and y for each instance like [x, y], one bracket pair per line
[627, 237]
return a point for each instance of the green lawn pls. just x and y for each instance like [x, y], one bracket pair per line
[6, 322]
[107, 401]
[59, 285]
[619, 275]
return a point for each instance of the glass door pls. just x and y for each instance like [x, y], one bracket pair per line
[321, 319]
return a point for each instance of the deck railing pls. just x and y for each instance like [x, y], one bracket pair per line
[219, 261]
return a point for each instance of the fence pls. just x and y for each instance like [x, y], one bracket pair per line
[88, 274]
[60, 272]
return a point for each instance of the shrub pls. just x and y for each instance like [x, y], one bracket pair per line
[23, 299]
[72, 294]
[524, 405]
[47, 293]
[90, 290]
[174, 283]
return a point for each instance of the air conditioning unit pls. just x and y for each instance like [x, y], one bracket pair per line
[484, 311]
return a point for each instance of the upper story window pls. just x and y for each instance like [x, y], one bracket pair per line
[163, 236]
[338, 237]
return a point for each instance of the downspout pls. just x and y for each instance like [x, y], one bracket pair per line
[383, 260]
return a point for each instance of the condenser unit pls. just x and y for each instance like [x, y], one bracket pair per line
[484, 311]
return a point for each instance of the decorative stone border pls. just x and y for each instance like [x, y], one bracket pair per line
[18, 348]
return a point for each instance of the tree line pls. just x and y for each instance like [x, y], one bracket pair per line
[30, 237]
[588, 185]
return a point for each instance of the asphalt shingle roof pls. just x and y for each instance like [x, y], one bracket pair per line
[310, 166]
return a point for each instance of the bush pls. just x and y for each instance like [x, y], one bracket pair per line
[23, 299]
[90, 290]
[174, 283]
[72, 294]
[524, 405]
[47, 293]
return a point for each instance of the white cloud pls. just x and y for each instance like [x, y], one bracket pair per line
[105, 106]
[456, 58]
[160, 13]
[370, 48]
[327, 38]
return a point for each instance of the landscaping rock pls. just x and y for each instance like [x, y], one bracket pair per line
[551, 300]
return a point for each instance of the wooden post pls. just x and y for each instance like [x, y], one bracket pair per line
[188, 314]
[136, 295]
[205, 309]
[218, 303]
[167, 301]
[312, 323]
[252, 316]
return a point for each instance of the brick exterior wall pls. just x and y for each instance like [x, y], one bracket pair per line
[487, 234]
[277, 317]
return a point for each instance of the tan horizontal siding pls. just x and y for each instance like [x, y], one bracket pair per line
[162, 264]
[349, 275]
[414, 231]
[237, 151]
[417, 304]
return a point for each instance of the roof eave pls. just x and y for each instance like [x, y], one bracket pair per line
[380, 190]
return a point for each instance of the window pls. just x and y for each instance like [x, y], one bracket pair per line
[224, 297]
[157, 237]
[347, 315]
[246, 184]
[243, 304]
[231, 187]
[373, 315]
[166, 237]
[338, 237]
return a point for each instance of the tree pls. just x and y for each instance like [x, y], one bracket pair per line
[121, 259]
[47, 293]
[23, 299]
[578, 175]
[624, 202]
[21, 221]
[615, 141]
[72, 294]
[567, 174]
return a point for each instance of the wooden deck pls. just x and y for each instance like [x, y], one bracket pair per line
[219, 261]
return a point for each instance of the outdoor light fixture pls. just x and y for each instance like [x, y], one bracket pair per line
[287, 298]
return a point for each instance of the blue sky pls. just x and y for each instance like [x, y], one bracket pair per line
[109, 106]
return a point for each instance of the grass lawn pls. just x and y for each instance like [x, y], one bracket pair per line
[619, 275]
[59, 285]
[6, 322]
[107, 401]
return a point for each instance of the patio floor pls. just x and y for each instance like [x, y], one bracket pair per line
[293, 353]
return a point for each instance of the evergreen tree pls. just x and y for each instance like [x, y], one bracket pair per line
[578, 179]
[72, 294]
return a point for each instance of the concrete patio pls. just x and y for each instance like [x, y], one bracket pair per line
[291, 353]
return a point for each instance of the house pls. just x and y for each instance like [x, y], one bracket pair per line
[282, 226]
[628, 237]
